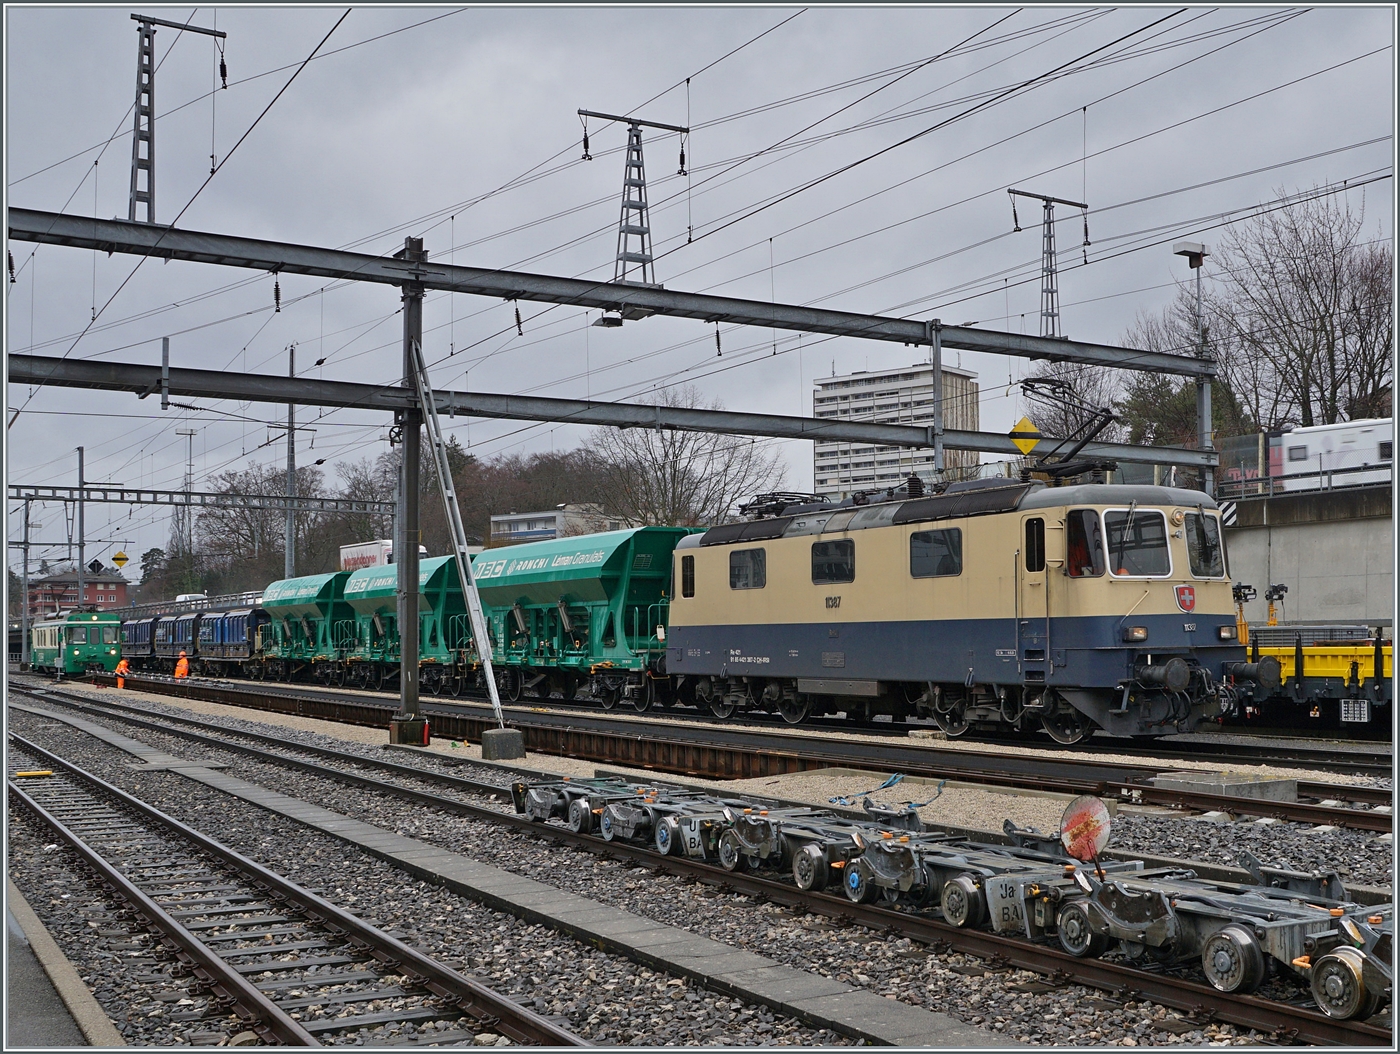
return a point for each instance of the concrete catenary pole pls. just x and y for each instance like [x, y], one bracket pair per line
[407, 725]
[289, 567]
[82, 569]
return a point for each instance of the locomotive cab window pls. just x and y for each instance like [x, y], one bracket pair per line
[1085, 543]
[687, 576]
[935, 554]
[109, 634]
[1035, 545]
[833, 561]
[1204, 546]
[1137, 542]
[748, 569]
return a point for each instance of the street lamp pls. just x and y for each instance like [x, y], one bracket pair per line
[1196, 253]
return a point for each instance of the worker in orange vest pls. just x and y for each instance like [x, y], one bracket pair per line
[182, 668]
[123, 668]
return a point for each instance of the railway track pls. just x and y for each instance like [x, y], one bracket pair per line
[1281, 1021]
[294, 968]
[743, 752]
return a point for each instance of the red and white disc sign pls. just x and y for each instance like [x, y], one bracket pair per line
[1084, 827]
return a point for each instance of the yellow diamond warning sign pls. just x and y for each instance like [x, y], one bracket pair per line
[120, 559]
[1025, 435]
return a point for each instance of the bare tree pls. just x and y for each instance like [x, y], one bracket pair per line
[1305, 309]
[243, 548]
[1068, 401]
[657, 476]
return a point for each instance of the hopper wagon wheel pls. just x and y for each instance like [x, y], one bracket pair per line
[568, 688]
[377, 678]
[510, 684]
[646, 695]
[543, 688]
[434, 682]
[455, 683]
[809, 868]
[607, 694]
[1077, 934]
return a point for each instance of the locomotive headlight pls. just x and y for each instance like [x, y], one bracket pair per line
[1227, 632]
[1178, 517]
[1134, 633]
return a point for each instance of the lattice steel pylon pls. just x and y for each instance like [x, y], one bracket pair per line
[1049, 268]
[634, 264]
[144, 131]
[635, 221]
[144, 126]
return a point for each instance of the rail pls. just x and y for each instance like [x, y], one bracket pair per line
[1280, 1021]
[473, 999]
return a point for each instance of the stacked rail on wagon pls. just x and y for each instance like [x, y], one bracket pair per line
[589, 610]
[1333, 677]
[298, 638]
[369, 639]
[75, 643]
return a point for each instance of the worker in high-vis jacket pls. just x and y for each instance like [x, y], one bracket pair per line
[182, 668]
[123, 668]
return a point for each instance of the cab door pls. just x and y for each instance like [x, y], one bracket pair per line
[1032, 604]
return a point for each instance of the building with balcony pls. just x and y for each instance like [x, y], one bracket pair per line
[59, 592]
[902, 396]
[512, 528]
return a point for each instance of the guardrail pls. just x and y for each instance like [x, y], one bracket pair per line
[1319, 479]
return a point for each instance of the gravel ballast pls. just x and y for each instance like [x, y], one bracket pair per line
[850, 954]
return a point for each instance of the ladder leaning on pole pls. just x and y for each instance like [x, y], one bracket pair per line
[454, 522]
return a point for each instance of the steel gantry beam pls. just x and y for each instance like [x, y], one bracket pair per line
[167, 243]
[207, 500]
[131, 377]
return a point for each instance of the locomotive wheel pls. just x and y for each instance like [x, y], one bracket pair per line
[1077, 936]
[667, 836]
[580, 816]
[1339, 987]
[606, 825]
[858, 882]
[794, 711]
[954, 722]
[731, 853]
[721, 707]
[809, 868]
[963, 903]
[1067, 726]
[1233, 961]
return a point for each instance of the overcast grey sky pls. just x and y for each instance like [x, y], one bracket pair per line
[423, 121]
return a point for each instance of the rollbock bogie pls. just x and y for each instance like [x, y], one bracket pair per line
[1237, 935]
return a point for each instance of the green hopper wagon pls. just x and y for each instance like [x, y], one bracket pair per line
[303, 614]
[371, 649]
[586, 610]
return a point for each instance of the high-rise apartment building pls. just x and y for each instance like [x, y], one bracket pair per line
[903, 396]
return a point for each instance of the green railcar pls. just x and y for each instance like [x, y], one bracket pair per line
[447, 658]
[300, 636]
[76, 643]
[586, 610]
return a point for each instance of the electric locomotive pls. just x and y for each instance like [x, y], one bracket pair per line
[994, 604]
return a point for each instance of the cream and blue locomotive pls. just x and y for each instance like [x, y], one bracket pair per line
[996, 603]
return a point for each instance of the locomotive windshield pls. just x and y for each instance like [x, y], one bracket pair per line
[1203, 544]
[1137, 542]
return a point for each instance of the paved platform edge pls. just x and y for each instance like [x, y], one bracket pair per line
[87, 1013]
[694, 956]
